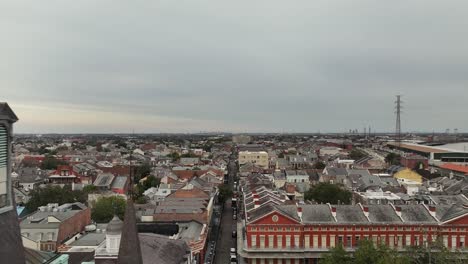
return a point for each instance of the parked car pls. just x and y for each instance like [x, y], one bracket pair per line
[234, 217]
[233, 251]
[234, 233]
[233, 259]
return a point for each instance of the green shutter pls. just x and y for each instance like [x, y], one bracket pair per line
[3, 146]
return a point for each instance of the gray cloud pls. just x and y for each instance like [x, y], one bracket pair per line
[238, 66]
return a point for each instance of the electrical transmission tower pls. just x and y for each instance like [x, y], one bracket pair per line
[398, 107]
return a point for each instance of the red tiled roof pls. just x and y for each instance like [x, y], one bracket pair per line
[455, 167]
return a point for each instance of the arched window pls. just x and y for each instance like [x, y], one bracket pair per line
[3, 167]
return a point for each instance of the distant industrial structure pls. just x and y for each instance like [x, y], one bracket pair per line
[398, 107]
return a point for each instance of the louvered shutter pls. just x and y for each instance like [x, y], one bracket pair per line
[3, 166]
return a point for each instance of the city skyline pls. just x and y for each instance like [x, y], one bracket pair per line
[158, 67]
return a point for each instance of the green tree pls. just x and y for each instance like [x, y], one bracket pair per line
[89, 189]
[328, 193]
[54, 194]
[319, 165]
[142, 171]
[393, 159]
[106, 207]
[337, 255]
[366, 253]
[174, 155]
[225, 192]
[51, 163]
[150, 181]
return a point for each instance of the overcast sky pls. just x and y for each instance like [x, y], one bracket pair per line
[241, 66]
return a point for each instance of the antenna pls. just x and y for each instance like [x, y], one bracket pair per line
[398, 107]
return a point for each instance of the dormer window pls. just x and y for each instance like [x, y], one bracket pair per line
[65, 173]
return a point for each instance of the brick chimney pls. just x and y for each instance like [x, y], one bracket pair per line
[365, 209]
[257, 204]
[333, 211]
[432, 210]
[398, 211]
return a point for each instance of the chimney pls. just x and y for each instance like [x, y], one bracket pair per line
[257, 204]
[333, 211]
[365, 209]
[398, 211]
[432, 210]
[299, 212]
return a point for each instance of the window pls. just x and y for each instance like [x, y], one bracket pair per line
[279, 241]
[408, 240]
[307, 241]
[332, 241]
[348, 241]
[340, 240]
[315, 241]
[262, 241]
[454, 241]
[296, 241]
[254, 241]
[288, 241]
[324, 241]
[270, 241]
[462, 242]
[4, 201]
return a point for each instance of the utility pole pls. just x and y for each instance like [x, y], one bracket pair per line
[398, 107]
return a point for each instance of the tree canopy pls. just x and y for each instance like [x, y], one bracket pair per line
[367, 252]
[142, 171]
[328, 193]
[225, 192]
[54, 194]
[393, 159]
[106, 207]
[319, 165]
[51, 163]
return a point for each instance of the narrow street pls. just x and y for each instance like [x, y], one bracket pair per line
[225, 240]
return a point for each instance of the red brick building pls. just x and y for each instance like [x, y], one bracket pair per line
[300, 234]
[413, 161]
[51, 225]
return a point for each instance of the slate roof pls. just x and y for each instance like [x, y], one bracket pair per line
[162, 250]
[449, 199]
[453, 212]
[129, 250]
[317, 213]
[30, 175]
[331, 171]
[383, 214]
[416, 213]
[349, 214]
[11, 245]
[6, 113]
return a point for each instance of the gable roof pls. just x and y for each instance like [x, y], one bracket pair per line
[6, 113]
[288, 211]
